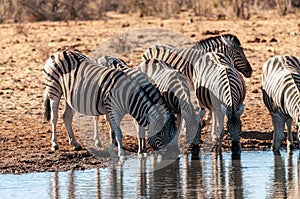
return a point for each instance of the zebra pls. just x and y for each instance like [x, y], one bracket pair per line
[174, 88]
[221, 89]
[95, 90]
[117, 63]
[227, 44]
[184, 60]
[281, 95]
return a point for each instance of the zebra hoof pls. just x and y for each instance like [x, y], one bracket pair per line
[77, 148]
[195, 152]
[142, 155]
[54, 147]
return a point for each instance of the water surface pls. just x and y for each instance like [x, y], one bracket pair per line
[259, 174]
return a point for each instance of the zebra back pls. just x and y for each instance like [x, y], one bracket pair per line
[281, 86]
[182, 60]
[170, 83]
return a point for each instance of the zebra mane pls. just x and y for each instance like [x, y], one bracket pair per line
[204, 43]
[292, 64]
[224, 59]
[79, 56]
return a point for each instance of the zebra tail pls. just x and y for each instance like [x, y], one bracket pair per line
[47, 108]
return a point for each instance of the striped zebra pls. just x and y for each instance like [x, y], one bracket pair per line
[174, 88]
[117, 63]
[95, 90]
[220, 88]
[184, 59]
[281, 95]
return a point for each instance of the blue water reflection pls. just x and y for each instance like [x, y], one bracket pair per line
[257, 175]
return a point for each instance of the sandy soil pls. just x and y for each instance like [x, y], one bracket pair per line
[25, 137]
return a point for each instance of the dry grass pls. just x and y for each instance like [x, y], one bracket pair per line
[63, 10]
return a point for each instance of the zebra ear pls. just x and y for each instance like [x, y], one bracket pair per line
[241, 110]
[226, 41]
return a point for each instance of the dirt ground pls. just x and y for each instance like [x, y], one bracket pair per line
[25, 138]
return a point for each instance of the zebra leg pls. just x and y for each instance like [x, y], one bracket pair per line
[174, 142]
[221, 131]
[96, 125]
[289, 140]
[112, 138]
[278, 134]
[115, 120]
[68, 117]
[54, 116]
[297, 135]
[141, 139]
[214, 131]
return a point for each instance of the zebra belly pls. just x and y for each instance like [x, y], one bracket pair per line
[87, 105]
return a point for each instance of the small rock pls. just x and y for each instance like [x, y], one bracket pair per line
[255, 91]
[125, 25]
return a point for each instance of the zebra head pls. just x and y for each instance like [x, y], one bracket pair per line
[166, 134]
[233, 47]
[234, 125]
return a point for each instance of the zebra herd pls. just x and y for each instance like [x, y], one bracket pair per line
[156, 93]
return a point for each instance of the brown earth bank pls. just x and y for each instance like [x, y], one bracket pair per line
[25, 139]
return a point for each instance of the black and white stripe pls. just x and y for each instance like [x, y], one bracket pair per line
[230, 45]
[95, 90]
[281, 95]
[215, 81]
[174, 88]
[220, 88]
[184, 59]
